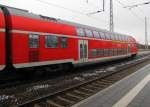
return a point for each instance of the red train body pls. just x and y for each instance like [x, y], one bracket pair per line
[34, 40]
[2, 40]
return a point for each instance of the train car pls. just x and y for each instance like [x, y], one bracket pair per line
[2, 40]
[37, 40]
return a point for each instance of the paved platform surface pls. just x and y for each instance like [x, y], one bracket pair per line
[132, 91]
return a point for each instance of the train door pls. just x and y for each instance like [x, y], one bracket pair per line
[34, 45]
[83, 51]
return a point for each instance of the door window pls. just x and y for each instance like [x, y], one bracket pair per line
[33, 41]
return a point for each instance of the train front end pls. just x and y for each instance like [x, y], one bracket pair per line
[2, 41]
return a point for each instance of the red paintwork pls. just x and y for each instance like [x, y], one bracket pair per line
[20, 50]
[2, 39]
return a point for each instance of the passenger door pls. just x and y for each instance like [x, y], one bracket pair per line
[83, 51]
[34, 45]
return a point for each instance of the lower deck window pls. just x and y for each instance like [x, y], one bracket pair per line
[94, 51]
[105, 52]
[111, 52]
[115, 52]
[100, 52]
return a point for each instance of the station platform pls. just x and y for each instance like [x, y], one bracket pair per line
[132, 91]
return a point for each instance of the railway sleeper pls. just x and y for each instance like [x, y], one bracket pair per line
[70, 98]
[79, 94]
[90, 90]
[66, 100]
[92, 87]
[75, 96]
[85, 91]
[77, 91]
[107, 81]
[53, 104]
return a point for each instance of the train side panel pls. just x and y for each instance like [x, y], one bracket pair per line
[2, 40]
[24, 56]
[29, 34]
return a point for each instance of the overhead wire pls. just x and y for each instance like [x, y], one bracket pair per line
[133, 13]
[68, 9]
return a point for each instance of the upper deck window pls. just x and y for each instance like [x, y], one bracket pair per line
[33, 41]
[80, 32]
[116, 37]
[112, 37]
[96, 34]
[102, 35]
[119, 36]
[88, 33]
[107, 36]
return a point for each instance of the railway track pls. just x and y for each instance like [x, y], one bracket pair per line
[8, 80]
[71, 95]
[24, 92]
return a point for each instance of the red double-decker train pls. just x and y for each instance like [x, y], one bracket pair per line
[28, 40]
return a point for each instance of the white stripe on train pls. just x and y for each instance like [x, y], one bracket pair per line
[31, 64]
[2, 30]
[2, 67]
[76, 63]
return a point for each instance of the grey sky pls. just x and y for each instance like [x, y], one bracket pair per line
[126, 21]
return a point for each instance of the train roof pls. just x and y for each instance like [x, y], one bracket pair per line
[26, 13]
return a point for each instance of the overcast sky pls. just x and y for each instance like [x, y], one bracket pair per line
[126, 21]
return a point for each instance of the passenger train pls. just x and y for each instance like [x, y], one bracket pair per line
[28, 40]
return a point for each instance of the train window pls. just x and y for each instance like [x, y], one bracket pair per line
[102, 35]
[112, 37]
[63, 42]
[114, 52]
[88, 33]
[100, 52]
[127, 38]
[105, 52]
[118, 52]
[122, 38]
[96, 34]
[33, 41]
[107, 35]
[119, 37]
[116, 37]
[111, 52]
[51, 41]
[80, 32]
[94, 53]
